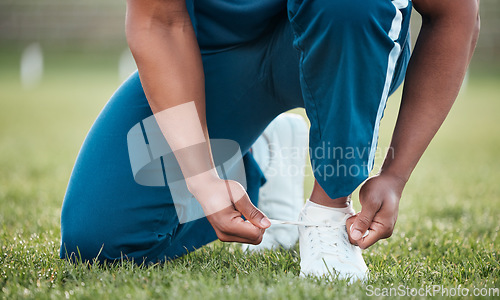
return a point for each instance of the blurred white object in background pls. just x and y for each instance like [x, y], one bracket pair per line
[126, 65]
[31, 66]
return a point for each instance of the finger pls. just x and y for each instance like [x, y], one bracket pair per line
[252, 213]
[230, 227]
[363, 221]
[247, 230]
[237, 239]
[377, 232]
[349, 224]
[244, 232]
[254, 240]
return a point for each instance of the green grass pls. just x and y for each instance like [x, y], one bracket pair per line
[447, 231]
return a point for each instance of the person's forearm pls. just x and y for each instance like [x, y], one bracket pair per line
[164, 46]
[434, 76]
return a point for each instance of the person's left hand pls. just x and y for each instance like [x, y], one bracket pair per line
[379, 197]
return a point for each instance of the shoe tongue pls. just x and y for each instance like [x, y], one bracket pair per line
[320, 213]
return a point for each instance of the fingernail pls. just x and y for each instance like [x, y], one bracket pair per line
[356, 234]
[265, 222]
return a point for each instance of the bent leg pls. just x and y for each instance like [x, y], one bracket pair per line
[106, 214]
[352, 55]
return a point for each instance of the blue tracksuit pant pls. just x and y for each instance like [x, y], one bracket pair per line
[339, 59]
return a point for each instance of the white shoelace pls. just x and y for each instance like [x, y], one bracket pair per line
[311, 224]
[327, 239]
[307, 224]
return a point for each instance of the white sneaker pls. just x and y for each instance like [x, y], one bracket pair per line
[281, 153]
[326, 250]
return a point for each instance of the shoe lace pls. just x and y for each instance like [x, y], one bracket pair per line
[330, 239]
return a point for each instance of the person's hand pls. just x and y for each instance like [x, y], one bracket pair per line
[224, 202]
[379, 197]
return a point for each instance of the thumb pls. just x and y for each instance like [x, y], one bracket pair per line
[252, 213]
[362, 222]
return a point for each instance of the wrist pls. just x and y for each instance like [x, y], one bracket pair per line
[199, 183]
[213, 193]
[393, 168]
[397, 180]
[399, 176]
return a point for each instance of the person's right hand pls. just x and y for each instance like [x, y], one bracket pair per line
[224, 203]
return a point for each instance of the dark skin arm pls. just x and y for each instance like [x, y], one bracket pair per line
[445, 45]
[162, 39]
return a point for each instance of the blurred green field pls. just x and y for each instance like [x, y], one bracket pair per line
[447, 231]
